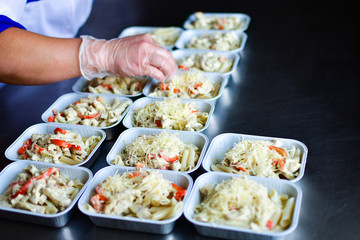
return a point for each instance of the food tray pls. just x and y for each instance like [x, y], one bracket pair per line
[10, 172]
[131, 223]
[186, 36]
[202, 106]
[134, 30]
[183, 53]
[43, 128]
[198, 139]
[65, 100]
[223, 142]
[230, 232]
[214, 77]
[82, 83]
[241, 16]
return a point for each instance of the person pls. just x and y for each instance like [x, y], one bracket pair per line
[37, 46]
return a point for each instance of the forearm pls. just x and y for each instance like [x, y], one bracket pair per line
[29, 59]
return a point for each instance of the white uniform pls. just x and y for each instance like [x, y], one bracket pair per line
[53, 18]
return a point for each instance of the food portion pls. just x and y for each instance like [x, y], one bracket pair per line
[117, 85]
[221, 41]
[139, 194]
[207, 62]
[62, 147]
[170, 113]
[166, 36]
[241, 202]
[261, 158]
[161, 151]
[213, 21]
[189, 84]
[91, 111]
[46, 191]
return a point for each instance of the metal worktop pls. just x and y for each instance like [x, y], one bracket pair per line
[296, 79]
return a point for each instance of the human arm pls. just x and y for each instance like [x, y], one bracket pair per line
[28, 58]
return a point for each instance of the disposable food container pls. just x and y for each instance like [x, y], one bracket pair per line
[187, 35]
[83, 83]
[65, 100]
[216, 78]
[183, 53]
[202, 106]
[224, 142]
[131, 223]
[231, 232]
[135, 30]
[128, 136]
[243, 17]
[44, 128]
[9, 174]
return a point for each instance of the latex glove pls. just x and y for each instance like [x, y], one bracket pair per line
[138, 55]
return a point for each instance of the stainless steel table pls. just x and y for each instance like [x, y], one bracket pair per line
[297, 78]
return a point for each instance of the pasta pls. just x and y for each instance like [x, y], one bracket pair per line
[207, 62]
[46, 191]
[166, 36]
[223, 41]
[62, 147]
[213, 21]
[91, 111]
[191, 84]
[261, 158]
[242, 202]
[161, 151]
[170, 114]
[139, 194]
[117, 85]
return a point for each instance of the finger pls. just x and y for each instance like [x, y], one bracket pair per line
[163, 60]
[155, 73]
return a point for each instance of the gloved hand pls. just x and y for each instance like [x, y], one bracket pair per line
[137, 55]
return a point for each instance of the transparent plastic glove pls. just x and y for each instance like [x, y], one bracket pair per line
[138, 55]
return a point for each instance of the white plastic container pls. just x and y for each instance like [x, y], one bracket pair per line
[131, 223]
[183, 53]
[202, 106]
[43, 128]
[82, 83]
[65, 100]
[230, 232]
[243, 17]
[198, 139]
[9, 174]
[187, 35]
[216, 78]
[223, 142]
[130, 31]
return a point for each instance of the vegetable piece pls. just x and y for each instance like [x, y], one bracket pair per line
[281, 151]
[90, 116]
[77, 147]
[97, 203]
[38, 149]
[25, 146]
[61, 143]
[134, 174]
[51, 119]
[106, 86]
[164, 86]
[44, 175]
[198, 85]
[240, 168]
[158, 123]
[183, 67]
[59, 130]
[176, 90]
[269, 224]
[166, 158]
[280, 162]
[180, 192]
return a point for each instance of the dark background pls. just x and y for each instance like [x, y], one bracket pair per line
[297, 78]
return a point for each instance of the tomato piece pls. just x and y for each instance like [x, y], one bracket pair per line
[61, 143]
[168, 159]
[281, 151]
[25, 146]
[51, 119]
[60, 130]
